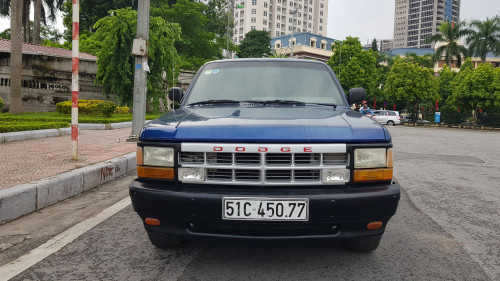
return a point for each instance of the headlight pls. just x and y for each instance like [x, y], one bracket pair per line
[370, 158]
[158, 156]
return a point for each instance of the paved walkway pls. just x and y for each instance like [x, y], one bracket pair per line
[30, 160]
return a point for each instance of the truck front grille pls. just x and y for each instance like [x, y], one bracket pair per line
[263, 168]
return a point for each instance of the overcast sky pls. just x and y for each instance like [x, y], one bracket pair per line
[368, 19]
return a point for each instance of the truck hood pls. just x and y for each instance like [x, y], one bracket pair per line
[265, 124]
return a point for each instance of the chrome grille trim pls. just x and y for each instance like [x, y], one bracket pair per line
[254, 167]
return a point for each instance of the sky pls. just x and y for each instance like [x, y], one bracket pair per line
[369, 19]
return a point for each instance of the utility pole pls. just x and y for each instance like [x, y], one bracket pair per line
[294, 12]
[140, 50]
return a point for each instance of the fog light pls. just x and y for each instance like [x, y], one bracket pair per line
[335, 176]
[191, 174]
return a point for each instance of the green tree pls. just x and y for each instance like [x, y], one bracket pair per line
[445, 87]
[475, 89]
[410, 86]
[115, 34]
[374, 45]
[256, 44]
[449, 38]
[426, 60]
[354, 66]
[90, 12]
[484, 36]
[196, 45]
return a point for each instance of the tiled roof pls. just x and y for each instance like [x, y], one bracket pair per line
[33, 49]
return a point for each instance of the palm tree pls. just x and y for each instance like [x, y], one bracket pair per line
[44, 9]
[484, 37]
[16, 56]
[449, 36]
[426, 60]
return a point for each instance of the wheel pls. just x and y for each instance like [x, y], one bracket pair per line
[390, 123]
[162, 240]
[364, 244]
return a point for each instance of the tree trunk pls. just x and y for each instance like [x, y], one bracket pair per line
[16, 56]
[37, 21]
[26, 21]
[474, 123]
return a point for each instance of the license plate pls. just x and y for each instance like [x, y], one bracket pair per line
[265, 209]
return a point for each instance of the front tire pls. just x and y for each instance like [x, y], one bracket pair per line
[162, 240]
[391, 123]
[364, 244]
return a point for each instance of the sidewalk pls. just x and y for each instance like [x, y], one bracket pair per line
[38, 172]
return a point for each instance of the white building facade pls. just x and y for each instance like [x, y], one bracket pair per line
[279, 17]
[417, 20]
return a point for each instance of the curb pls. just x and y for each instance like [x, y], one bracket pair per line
[23, 199]
[38, 134]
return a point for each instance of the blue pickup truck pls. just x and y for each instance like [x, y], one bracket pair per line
[265, 149]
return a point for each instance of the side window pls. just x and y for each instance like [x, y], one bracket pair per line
[392, 113]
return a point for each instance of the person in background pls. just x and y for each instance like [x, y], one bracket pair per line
[365, 109]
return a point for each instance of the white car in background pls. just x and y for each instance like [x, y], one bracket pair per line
[387, 117]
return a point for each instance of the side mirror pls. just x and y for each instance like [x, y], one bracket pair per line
[356, 95]
[175, 94]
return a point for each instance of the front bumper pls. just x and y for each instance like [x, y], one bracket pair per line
[195, 210]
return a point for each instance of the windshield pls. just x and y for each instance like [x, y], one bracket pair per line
[266, 81]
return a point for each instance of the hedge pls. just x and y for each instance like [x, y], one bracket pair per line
[18, 126]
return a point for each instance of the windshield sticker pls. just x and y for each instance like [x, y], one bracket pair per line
[215, 71]
[207, 72]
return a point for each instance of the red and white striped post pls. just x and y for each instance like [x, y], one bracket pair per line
[74, 78]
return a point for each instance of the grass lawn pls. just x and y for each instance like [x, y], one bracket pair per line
[53, 120]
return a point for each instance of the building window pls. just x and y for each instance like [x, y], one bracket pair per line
[278, 17]
[265, 13]
[291, 4]
[277, 44]
[298, 22]
[277, 33]
[265, 4]
[278, 25]
[279, 9]
[320, 28]
[309, 25]
[299, 15]
[254, 11]
[279, 1]
[312, 42]
[321, 13]
[253, 20]
[321, 5]
[320, 20]
[290, 20]
[298, 29]
[264, 29]
[254, 2]
[236, 15]
[235, 31]
[323, 44]
[310, 10]
[264, 22]
[310, 17]
[252, 27]
[289, 28]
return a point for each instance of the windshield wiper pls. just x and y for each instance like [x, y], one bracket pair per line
[213, 102]
[302, 103]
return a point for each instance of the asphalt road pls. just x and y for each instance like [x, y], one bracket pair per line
[446, 228]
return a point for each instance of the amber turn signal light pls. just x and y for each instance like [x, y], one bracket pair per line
[374, 225]
[155, 172]
[152, 221]
[139, 155]
[373, 174]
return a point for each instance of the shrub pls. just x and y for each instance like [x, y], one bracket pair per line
[88, 107]
[2, 103]
[106, 108]
[122, 110]
[17, 126]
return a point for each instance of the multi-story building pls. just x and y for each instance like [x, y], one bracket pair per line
[279, 17]
[417, 20]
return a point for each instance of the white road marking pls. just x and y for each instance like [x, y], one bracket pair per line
[19, 265]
